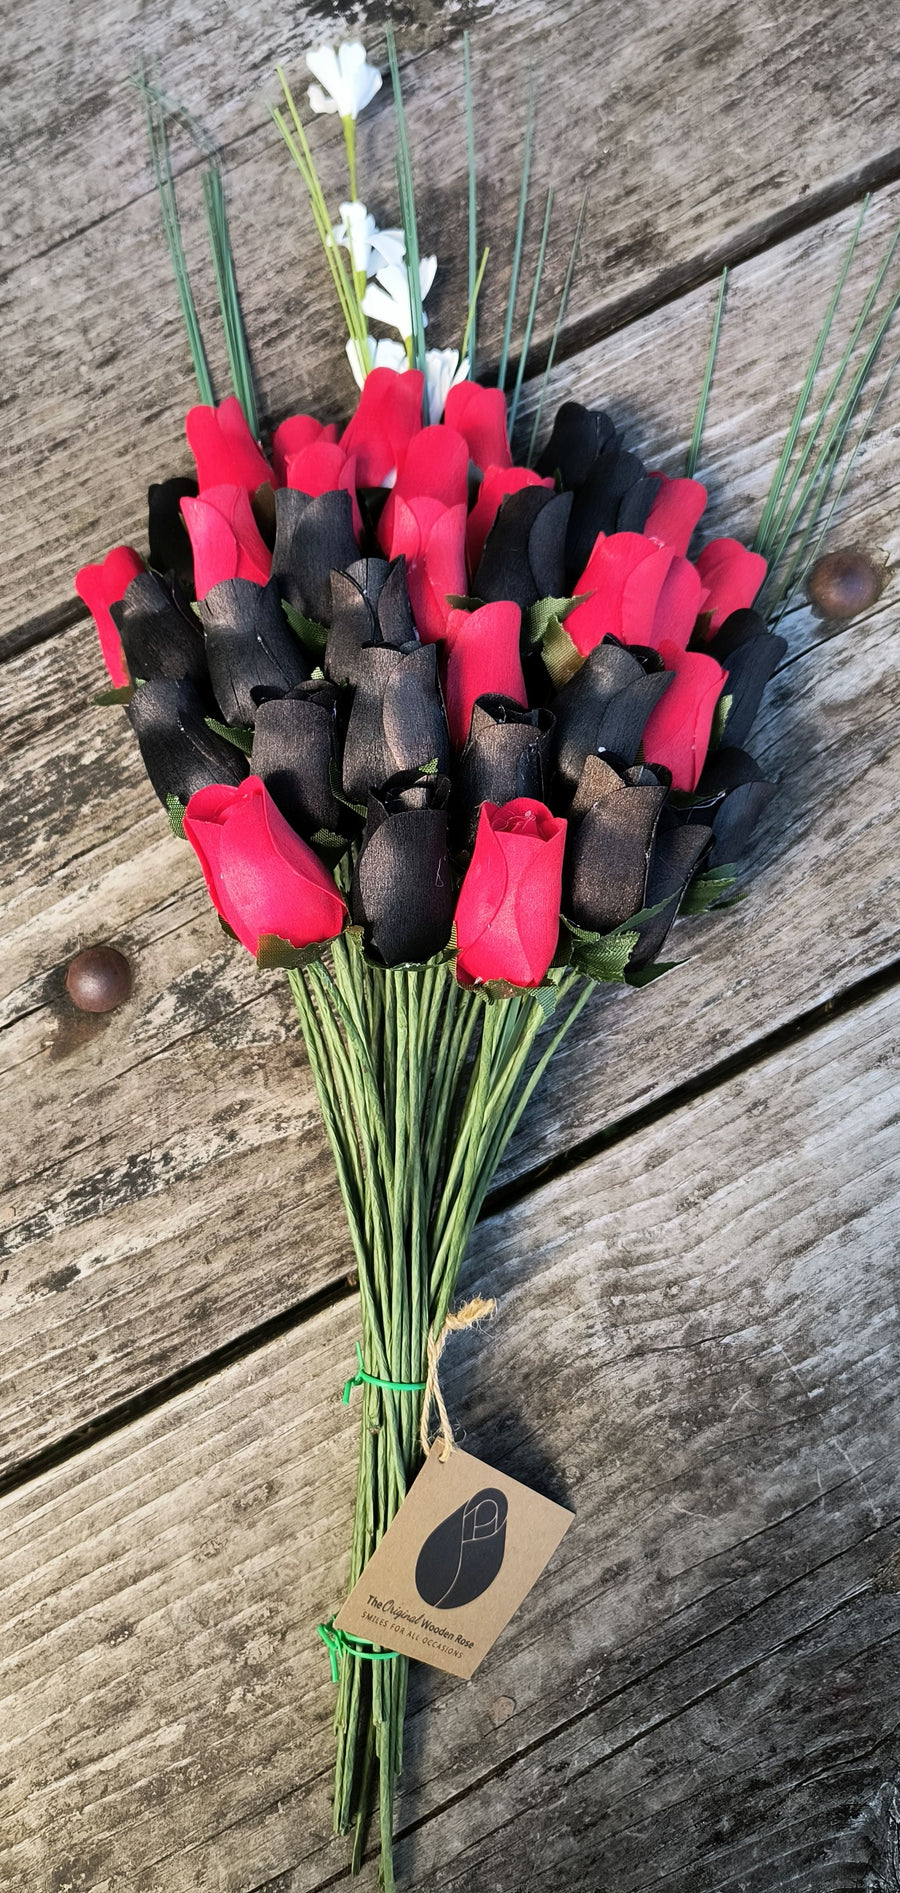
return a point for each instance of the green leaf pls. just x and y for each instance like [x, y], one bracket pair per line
[272, 953]
[123, 694]
[241, 739]
[706, 889]
[720, 718]
[457, 603]
[313, 636]
[175, 811]
[601, 956]
[539, 617]
[561, 657]
[334, 783]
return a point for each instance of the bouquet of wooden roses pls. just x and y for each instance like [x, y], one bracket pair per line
[454, 736]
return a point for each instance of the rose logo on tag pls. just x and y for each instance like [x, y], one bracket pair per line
[462, 1556]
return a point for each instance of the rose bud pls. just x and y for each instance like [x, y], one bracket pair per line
[507, 914]
[261, 877]
[731, 575]
[738, 793]
[369, 605]
[677, 731]
[250, 648]
[432, 539]
[292, 436]
[225, 539]
[397, 721]
[314, 538]
[676, 512]
[159, 632]
[675, 857]
[170, 546]
[498, 483]
[479, 415]
[639, 592]
[523, 557]
[751, 655]
[180, 753]
[323, 467]
[99, 587]
[603, 709]
[435, 466]
[506, 757]
[224, 448]
[611, 828]
[482, 659]
[388, 414]
[613, 491]
[402, 892]
[295, 747]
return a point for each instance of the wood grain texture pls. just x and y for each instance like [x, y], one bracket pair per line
[697, 1346]
[167, 1184]
[663, 119]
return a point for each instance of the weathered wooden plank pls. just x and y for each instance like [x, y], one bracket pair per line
[191, 1108]
[696, 1346]
[662, 117]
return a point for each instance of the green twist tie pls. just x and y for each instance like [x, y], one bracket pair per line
[339, 1643]
[374, 1380]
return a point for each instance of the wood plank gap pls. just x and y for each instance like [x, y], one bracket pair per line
[710, 1080]
[73, 1444]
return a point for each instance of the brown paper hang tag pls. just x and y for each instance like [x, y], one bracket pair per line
[465, 1548]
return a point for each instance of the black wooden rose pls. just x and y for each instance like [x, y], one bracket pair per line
[402, 893]
[613, 492]
[296, 749]
[160, 633]
[313, 538]
[612, 823]
[180, 753]
[369, 605]
[397, 721]
[251, 650]
[602, 710]
[524, 553]
[751, 655]
[507, 755]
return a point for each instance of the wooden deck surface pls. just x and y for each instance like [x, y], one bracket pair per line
[696, 1234]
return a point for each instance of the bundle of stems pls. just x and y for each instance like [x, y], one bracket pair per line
[421, 1085]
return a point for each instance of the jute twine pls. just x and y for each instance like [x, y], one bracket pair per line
[478, 1309]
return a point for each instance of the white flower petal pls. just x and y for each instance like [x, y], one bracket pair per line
[350, 83]
[442, 372]
[427, 273]
[389, 248]
[320, 101]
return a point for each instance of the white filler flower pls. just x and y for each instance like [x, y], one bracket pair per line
[387, 299]
[382, 354]
[370, 249]
[443, 369]
[346, 83]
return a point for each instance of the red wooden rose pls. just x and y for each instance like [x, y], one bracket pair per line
[225, 539]
[100, 586]
[224, 448]
[640, 592]
[677, 730]
[261, 877]
[482, 660]
[507, 914]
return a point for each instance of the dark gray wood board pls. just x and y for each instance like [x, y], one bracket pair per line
[175, 1188]
[699, 142]
[696, 1346]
